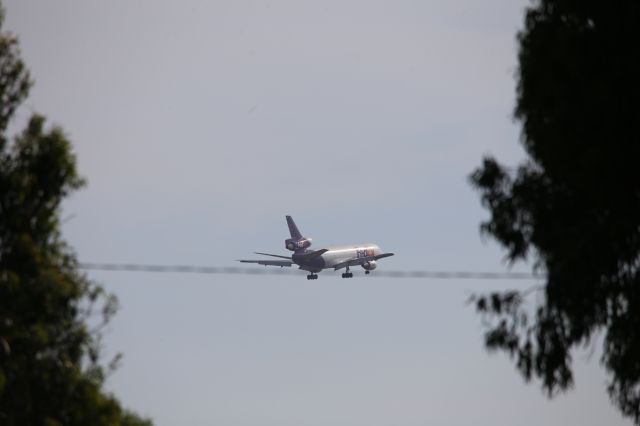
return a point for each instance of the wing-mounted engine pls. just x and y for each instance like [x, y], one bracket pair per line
[370, 265]
[295, 244]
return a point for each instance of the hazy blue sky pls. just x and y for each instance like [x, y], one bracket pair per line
[200, 124]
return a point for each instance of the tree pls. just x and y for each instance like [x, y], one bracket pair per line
[50, 371]
[574, 205]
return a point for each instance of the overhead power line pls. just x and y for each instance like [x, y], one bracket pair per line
[233, 270]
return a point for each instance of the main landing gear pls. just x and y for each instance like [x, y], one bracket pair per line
[347, 274]
[312, 276]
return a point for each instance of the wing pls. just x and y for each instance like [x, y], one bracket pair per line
[274, 255]
[356, 261]
[280, 263]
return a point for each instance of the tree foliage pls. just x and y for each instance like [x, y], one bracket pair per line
[574, 205]
[50, 313]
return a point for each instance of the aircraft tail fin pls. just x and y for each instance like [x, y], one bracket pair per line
[297, 242]
[293, 229]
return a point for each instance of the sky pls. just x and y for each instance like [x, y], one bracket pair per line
[200, 124]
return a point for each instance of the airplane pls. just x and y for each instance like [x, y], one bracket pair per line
[314, 261]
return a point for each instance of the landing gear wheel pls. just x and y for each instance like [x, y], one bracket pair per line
[312, 276]
[367, 272]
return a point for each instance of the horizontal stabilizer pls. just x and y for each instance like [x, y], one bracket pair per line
[313, 254]
[281, 263]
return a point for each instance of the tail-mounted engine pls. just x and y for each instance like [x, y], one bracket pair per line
[295, 244]
[370, 265]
